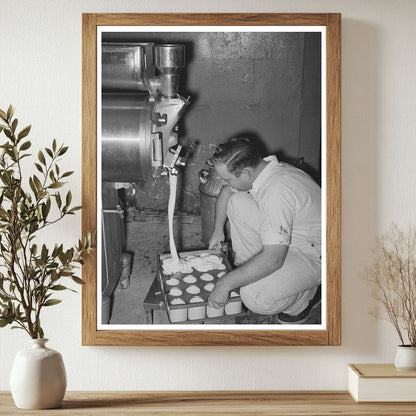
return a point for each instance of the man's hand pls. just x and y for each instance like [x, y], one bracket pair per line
[219, 296]
[215, 240]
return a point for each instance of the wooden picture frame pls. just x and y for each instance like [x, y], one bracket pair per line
[331, 334]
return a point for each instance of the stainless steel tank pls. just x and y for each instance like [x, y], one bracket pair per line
[140, 109]
[125, 66]
[126, 137]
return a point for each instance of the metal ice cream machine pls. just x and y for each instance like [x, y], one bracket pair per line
[141, 107]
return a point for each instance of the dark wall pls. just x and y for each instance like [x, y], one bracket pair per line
[310, 122]
[263, 85]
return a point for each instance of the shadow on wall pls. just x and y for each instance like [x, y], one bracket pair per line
[361, 121]
[282, 155]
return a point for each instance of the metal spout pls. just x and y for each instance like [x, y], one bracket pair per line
[169, 60]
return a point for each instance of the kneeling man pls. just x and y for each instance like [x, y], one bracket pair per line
[274, 210]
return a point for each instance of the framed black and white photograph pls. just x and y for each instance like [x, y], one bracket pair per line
[211, 173]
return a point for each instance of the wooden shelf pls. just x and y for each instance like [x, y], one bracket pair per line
[318, 403]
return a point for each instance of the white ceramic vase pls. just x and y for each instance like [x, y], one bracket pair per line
[405, 358]
[38, 377]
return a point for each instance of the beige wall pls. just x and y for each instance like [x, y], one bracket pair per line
[40, 74]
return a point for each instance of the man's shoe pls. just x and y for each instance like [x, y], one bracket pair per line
[284, 318]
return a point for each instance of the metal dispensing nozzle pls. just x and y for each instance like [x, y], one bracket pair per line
[169, 105]
[169, 60]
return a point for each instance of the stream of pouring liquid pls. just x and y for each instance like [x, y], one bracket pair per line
[174, 263]
[173, 180]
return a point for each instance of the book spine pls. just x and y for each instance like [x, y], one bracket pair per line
[353, 381]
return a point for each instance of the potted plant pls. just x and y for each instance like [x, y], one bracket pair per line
[393, 277]
[31, 273]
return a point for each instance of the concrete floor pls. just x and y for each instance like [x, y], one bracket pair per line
[144, 240]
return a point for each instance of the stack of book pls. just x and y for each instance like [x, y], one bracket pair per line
[381, 383]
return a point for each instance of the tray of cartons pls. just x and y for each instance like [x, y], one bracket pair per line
[186, 294]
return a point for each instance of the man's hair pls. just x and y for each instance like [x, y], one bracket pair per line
[237, 153]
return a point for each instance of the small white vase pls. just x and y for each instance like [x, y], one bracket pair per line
[38, 377]
[405, 358]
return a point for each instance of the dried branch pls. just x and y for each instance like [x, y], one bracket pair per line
[393, 277]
